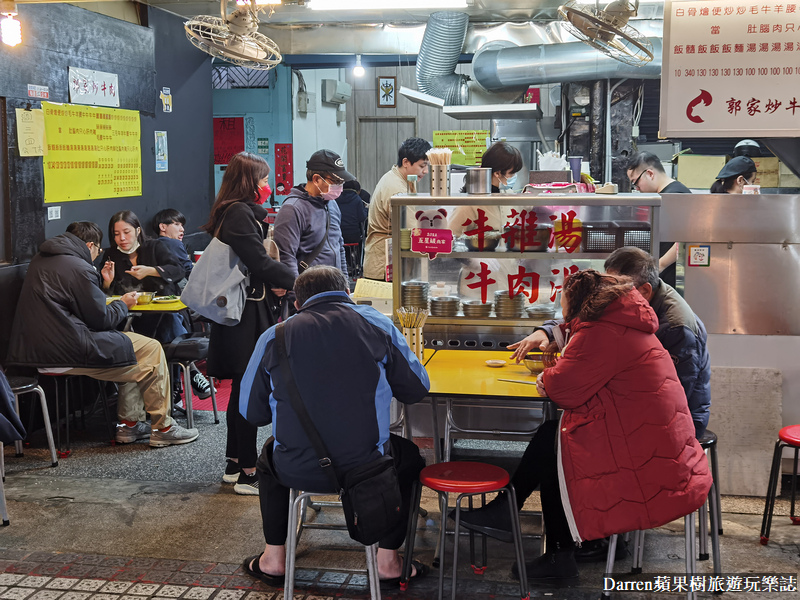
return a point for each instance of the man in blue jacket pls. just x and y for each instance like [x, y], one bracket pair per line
[348, 361]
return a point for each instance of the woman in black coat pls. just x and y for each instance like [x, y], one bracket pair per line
[239, 220]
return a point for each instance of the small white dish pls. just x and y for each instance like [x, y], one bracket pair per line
[495, 363]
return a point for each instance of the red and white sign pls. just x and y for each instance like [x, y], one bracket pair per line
[731, 68]
[95, 88]
[42, 92]
[432, 241]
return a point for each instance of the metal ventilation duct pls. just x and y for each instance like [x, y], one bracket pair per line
[495, 70]
[438, 56]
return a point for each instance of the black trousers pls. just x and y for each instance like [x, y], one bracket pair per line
[241, 441]
[539, 468]
[274, 496]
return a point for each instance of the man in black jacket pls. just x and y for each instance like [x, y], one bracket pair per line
[348, 362]
[63, 325]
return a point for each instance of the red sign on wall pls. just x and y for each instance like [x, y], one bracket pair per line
[228, 138]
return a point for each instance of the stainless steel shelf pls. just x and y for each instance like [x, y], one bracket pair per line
[511, 255]
[528, 200]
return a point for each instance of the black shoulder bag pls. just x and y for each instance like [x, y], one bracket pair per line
[304, 263]
[371, 493]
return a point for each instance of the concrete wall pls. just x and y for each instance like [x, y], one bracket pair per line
[317, 130]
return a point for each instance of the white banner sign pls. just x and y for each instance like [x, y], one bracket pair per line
[731, 68]
[93, 87]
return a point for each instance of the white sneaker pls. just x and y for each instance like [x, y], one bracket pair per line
[173, 436]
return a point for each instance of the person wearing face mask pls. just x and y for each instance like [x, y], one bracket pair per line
[136, 263]
[505, 161]
[737, 173]
[239, 220]
[308, 228]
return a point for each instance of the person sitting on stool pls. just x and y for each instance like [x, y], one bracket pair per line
[623, 456]
[359, 360]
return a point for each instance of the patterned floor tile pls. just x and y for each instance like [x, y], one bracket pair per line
[89, 585]
[16, 593]
[199, 593]
[75, 596]
[47, 595]
[10, 578]
[61, 583]
[229, 594]
[172, 591]
[260, 596]
[144, 589]
[115, 587]
[33, 581]
[212, 580]
[104, 597]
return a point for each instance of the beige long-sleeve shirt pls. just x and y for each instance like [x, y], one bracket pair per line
[379, 222]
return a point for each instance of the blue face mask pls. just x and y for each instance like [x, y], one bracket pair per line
[509, 184]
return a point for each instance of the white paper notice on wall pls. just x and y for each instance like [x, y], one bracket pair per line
[730, 68]
[93, 87]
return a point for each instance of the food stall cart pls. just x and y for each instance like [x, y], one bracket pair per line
[488, 289]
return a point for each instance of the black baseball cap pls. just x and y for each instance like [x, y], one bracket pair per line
[326, 161]
[737, 166]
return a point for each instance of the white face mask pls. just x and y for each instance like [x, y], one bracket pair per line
[133, 249]
[509, 184]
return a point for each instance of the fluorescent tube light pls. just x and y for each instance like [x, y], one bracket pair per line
[384, 4]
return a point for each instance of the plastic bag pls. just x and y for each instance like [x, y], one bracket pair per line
[551, 161]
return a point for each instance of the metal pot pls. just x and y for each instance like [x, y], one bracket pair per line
[479, 180]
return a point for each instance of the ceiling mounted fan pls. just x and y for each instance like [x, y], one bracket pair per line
[235, 37]
[607, 30]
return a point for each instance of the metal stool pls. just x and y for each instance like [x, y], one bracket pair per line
[184, 351]
[788, 437]
[3, 507]
[30, 385]
[297, 502]
[638, 542]
[57, 379]
[708, 442]
[466, 479]
[353, 256]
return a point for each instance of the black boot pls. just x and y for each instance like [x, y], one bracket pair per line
[492, 519]
[555, 568]
[595, 551]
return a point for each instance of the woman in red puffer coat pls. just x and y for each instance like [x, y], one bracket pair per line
[623, 455]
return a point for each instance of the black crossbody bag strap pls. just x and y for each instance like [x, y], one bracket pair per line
[300, 410]
[306, 262]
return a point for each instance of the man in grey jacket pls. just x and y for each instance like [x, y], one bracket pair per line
[308, 228]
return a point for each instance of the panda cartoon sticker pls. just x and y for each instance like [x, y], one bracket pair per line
[431, 235]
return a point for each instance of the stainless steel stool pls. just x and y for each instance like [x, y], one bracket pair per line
[30, 385]
[297, 506]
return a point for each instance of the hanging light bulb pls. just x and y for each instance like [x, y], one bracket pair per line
[10, 28]
[358, 70]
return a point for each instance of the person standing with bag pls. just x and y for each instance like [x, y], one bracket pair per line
[238, 220]
[329, 336]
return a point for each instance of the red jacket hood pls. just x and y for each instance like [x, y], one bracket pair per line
[630, 310]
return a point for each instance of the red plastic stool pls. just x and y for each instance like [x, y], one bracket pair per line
[465, 479]
[788, 437]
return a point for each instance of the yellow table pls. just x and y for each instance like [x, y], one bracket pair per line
[462, 378]
[152, 307]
